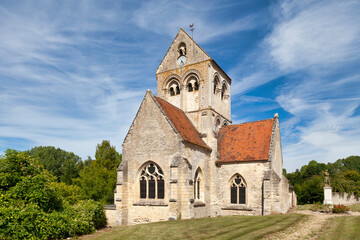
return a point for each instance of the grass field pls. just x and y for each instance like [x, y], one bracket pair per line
[355, 207]
[232, 227]
[341, 228]
[317, 207]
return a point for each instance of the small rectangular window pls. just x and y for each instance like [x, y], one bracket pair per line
[142, 188]
[151, 188]
[234, 194]
[242, 195]
[160, 189]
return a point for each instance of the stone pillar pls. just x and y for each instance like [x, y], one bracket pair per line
[327, 195]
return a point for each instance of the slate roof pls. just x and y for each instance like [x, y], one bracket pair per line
[245, 142]
[182, 123]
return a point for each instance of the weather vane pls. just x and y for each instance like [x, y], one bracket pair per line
[192, 30]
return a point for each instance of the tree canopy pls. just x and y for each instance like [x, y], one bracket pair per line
[34, 206]
[98, 180]
[64, 165]
[308, 182]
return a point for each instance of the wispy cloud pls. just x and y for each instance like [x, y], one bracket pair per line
[61, 82]
[166, 17]
[73, 73]
[312, 33]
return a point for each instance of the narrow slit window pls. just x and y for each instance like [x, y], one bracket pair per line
[197, 186]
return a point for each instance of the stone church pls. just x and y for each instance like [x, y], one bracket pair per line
[183, 157]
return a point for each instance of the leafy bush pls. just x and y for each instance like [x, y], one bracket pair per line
[32, 206]
[340, 208]
[31, 222]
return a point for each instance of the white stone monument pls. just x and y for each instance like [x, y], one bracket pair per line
[327, 190]
[327, 195]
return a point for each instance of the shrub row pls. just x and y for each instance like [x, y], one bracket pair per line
[32, 222]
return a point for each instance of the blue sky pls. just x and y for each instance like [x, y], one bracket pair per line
[73, 73]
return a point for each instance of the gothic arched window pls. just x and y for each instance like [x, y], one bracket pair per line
[197, 185]
[223, 91]
[216, 83]
[237, 190]
[152, 182]
[217, 124]
[192, 83]
[174, 88]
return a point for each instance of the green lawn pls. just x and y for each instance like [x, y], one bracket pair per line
[355, 207]
[347, 227]
[232, 227]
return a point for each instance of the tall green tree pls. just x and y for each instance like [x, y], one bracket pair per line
[98, 180]
[64, 165]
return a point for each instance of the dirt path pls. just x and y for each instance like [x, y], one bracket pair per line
[312, 228]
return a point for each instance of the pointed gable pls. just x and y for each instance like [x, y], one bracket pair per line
[182, 123]
[194, 53]
[245, 142]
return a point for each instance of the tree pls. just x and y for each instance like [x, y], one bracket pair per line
[309, 181]
[98, 180]
[62, 164]
[24, 181]
[34, 206]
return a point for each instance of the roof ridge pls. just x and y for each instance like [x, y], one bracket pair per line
[183, 135]
[248, 122]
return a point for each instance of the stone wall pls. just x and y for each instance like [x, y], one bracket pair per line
[154, 140]
[110, 211]
[253, 174]
[346, 199]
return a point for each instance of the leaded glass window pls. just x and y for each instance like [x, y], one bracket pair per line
[152, 185]
[237, 190]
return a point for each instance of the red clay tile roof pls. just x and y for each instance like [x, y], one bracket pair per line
[245, 142]
[182, 123]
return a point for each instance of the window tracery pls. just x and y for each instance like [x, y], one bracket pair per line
[152, 185]
[237, 190]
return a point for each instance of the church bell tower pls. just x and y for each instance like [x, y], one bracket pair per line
[191, 80]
